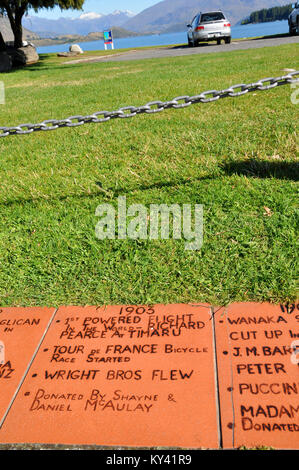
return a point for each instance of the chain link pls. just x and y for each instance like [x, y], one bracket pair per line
[152, 107]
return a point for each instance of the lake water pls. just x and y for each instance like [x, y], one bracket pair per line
[246, 31]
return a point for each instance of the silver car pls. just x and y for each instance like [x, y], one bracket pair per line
[209, 26]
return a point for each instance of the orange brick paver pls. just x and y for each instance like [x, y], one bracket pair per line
[187, 376]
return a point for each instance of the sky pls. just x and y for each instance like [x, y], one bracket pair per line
[98, 6]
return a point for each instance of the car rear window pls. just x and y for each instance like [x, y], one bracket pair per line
[211, 17]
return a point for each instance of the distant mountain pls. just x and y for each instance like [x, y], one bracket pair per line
[76, 38]
[85, 24]
[164, 16]
[171, 15]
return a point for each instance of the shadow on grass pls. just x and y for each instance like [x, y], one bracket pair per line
[108, 193]
[148, 187]
[251, 168]
[43, 64]
[263, 169]
[40, 65]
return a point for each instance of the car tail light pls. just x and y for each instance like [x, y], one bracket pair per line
[227, 25]
[199, 28]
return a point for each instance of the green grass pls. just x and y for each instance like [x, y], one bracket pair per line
[235, 156]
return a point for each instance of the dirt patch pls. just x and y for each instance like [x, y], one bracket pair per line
[52, 84]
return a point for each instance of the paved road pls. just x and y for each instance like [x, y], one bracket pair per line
[205, 48]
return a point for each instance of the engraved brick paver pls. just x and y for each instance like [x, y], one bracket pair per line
[258, 375]
[151, 376]
[21, 330]
[123, 376]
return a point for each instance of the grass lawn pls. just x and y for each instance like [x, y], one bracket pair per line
[237, 157]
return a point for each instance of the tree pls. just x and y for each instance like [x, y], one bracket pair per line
[2, 43]
[271, 14]
[16, 9]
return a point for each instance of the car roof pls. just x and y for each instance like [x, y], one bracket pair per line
[210, 11]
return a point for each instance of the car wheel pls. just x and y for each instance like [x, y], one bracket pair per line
[218, 42]
[190, 43]
[228, 40]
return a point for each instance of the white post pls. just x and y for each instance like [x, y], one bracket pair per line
[2, 93]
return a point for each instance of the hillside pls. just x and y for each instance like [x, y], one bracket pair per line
[76, 38]
[83, 25]
[8, 35]
[169, 14]
[270, 14]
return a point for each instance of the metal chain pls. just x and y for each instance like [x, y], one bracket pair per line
[152, 107]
